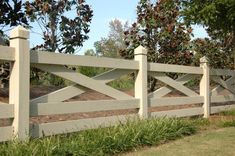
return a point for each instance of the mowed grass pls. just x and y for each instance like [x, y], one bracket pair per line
[216, 137]
[220, 142]
[104, 141]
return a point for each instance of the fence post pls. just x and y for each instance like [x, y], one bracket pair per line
[19, 81]
[141, 90]
[205, 86]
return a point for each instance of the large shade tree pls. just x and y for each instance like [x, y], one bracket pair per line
[11, 14]
[218, 17]
[64, 26]
[64, 23]
[160, 29]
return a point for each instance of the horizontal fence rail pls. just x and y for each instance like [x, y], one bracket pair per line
[174, 101]
[220, 72]
[81, 106]
[47, 129]
[40, 57]
[7, 53]
[222, 98]
[6, 111]
[158, 67]
[217, 109]
[179, 113]
[187, 102]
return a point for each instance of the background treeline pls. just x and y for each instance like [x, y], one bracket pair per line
[164, 27]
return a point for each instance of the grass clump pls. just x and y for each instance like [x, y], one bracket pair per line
[123, 83]
[228, 123]
[104, 141]
[228, 113]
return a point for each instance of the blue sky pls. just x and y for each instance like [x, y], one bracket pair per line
[104, 12]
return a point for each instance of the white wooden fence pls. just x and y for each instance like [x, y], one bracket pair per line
[21, 108]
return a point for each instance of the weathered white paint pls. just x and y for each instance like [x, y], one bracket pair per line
[174, 84]
[6, 111]
[221, 72]
[205, 86]
[222, 98]
[172, 101]
[19, 81]
[90, 61]
[159, 67]
[141, 86]
[179, 112]
[81, 106]
[217, 109]
[59, 95]
[166, 89]
[7, 53]
[62, 127]
[224, 84]
[220, 88]
[6, 133]
[83, 80]
[75, 90]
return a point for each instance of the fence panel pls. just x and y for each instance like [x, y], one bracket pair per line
[224, 90]
[40, 57]
[62, 127]
[81, 106]
[20, 108]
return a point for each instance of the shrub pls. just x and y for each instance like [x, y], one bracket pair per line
[104, 141]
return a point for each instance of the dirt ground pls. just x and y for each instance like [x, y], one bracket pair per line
[37, 91]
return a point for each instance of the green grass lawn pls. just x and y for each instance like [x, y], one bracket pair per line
[215, 137]
[220, 142]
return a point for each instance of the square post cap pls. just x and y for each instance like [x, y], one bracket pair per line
[19, 32]
[204, 59]
[140, 50]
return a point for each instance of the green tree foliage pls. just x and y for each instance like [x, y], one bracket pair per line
[11, 14]
[160, 30]
[110, 46]
[217, 56]
[218, 17]
[61, 33]
[217, 14]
